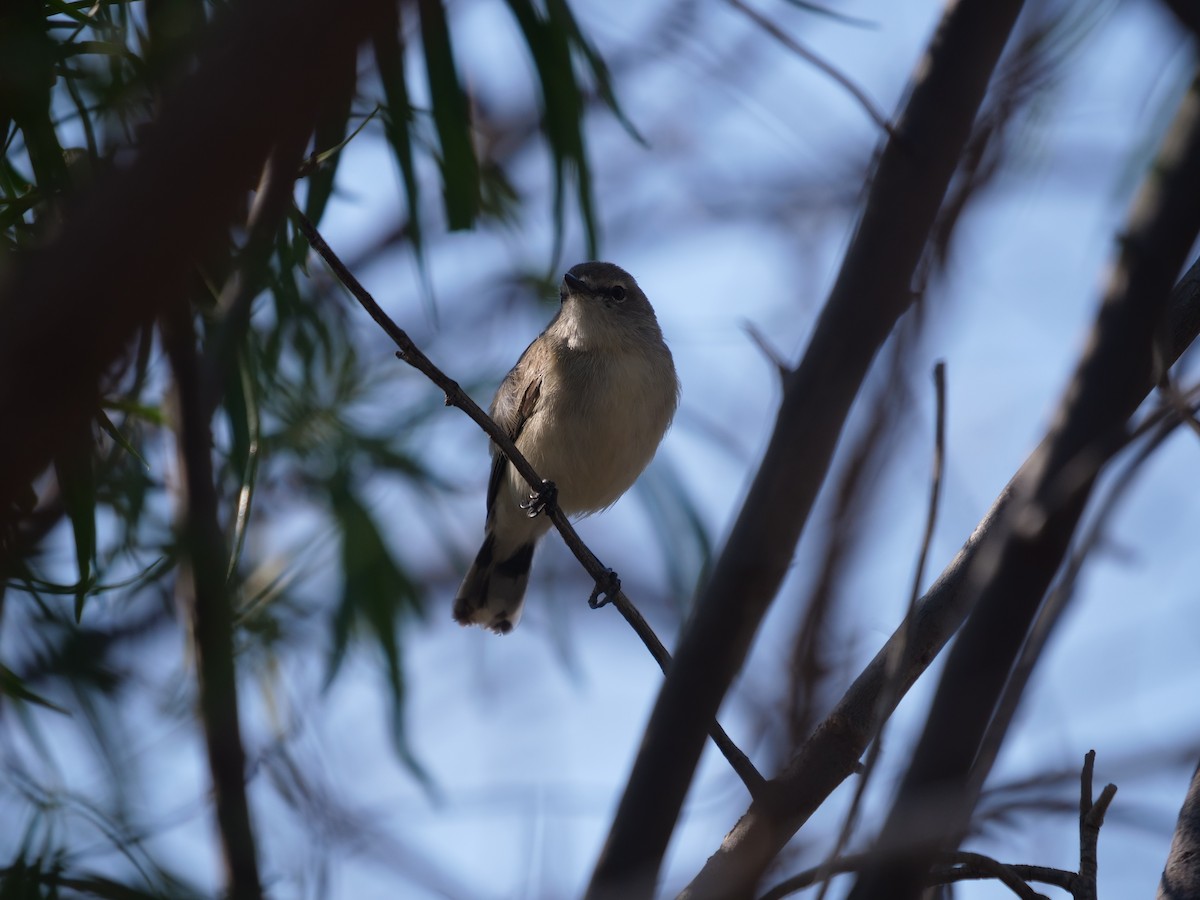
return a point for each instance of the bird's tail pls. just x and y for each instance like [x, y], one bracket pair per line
[493, 592]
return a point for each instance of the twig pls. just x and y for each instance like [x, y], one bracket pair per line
[972, 865]
[203, 578]
[1091, 817]
[457, 397]
[958, 865]
[1179, 403]
[896, 658]
[800, 50]
[767, 349]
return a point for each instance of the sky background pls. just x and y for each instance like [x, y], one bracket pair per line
[530, 738]
[736, 210]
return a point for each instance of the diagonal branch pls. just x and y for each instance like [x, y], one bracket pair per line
[873, 289]
[803, 52]
[457, 397]
[935, 492]
[831, 754]
[936, 797]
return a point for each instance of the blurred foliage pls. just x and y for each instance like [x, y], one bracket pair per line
[88, 576]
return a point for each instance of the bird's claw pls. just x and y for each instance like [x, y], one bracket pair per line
[540, 500]
[605, 590]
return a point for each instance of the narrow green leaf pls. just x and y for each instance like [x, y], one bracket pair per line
[451, 116]
[398, 127]
[152, 414]
[377, 595]
[550, 45]
[244, 426]
[12, 686]
[123, 442]
[77, 481]
[562, 17]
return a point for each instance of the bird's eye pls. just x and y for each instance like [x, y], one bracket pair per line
[617, 292]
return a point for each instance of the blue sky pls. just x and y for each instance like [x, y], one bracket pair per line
[528, 738]
[530, 750]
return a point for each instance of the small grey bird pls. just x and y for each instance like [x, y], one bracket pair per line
[587, 404]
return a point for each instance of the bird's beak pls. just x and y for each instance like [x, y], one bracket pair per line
[574, 285]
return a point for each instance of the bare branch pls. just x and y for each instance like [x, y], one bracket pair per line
[957, 866]
[1091, 817]
[832, 753]
[804, 53]
[1013, 578]
[897, 658]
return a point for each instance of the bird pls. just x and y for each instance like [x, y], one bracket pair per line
[587, 404]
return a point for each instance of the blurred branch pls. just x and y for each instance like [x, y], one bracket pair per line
[1181, 874]
[959, 865]
[1188, 14]
[1158, 428]
[69, 311]
[831, 754]
[936, 796]
[897, 658]
[804, 53]
[202, 581]
[873, 289]
[840, 545]
[457, 397]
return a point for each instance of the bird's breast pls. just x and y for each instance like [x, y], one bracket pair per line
[599, 420]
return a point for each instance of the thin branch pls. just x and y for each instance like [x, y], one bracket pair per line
[1061, 595]
[831, 754]
[937, 794]
[804, 53]
[976, 865]
[202, 581]
[898, 653]
[1179, 402]
[959, 865]
[457, 397]
[1091, 817]
[773, 356]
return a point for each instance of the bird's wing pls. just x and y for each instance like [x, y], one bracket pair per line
[511, 414]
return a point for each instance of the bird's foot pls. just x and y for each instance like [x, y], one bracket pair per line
[540, 500]
[605, 590]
